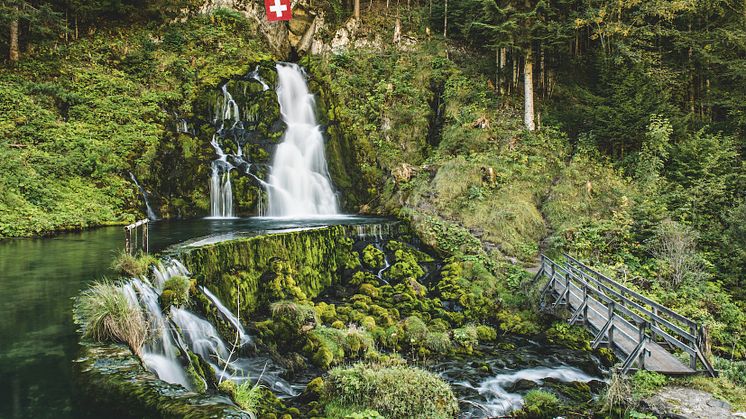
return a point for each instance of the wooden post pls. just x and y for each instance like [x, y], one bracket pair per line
[641, 336]
[611, 327]
[692, 357]
[585, 304]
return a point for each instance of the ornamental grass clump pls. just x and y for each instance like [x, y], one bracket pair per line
[395, 391]
[107, 316]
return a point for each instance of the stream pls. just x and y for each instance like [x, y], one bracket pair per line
[38, 345]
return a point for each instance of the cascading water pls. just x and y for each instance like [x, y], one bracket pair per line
[159, 354]
[501, 401]
[221, 190]
[150, 212]
[299, 183]
[228, 316]
[181, 329]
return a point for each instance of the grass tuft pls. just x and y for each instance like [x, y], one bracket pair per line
[107, 316]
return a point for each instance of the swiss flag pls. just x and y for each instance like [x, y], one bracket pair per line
[278, 10]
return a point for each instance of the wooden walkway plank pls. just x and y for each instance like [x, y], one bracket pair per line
[591, 301]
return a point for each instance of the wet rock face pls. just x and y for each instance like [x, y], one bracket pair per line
[681, 402]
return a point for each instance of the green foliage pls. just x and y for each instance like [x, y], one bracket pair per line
[393, 390]
[373, 257]
[107, 316]
[646, 383]
[245, 394]
[573, 337]
[132, 266]
[466, 337]
[175, 291]
[539, 404]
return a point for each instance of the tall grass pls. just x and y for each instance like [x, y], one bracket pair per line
[132, 266]
[107, 316]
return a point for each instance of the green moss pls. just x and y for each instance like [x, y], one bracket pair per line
[486, 333]
[373, 257]
[294, 265]
[539, 404]
[415, 331]
[573, 337]
[438, 342]
[406, 266]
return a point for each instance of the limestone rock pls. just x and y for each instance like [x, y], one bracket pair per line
[682, 402]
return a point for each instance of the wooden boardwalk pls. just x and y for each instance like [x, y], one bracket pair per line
[641, 332]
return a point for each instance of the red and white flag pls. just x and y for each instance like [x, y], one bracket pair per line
[278, 10]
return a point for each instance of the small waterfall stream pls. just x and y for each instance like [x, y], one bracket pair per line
[151, 214]
[180, 328]
[299, 183]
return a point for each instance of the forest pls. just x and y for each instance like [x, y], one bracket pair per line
[499, 130]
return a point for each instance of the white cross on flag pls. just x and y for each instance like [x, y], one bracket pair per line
[278, 10]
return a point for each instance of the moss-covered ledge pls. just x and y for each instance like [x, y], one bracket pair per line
[114, 384]
[296, 264]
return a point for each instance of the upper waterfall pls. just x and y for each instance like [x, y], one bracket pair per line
[299, 184]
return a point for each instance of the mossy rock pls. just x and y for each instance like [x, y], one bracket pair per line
[373, 257]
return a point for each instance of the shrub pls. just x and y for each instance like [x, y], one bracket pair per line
[539, 404]
[175, 291]
[395, 391]
[415, 331]
[438, 342]
[573, 337]
[467, 337]
[107, 316]
[132, 266]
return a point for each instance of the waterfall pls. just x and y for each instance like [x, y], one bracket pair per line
[299, 184]
[159, 354]
[221, 190]
[151, 213]
[228, 316]
[181, 329]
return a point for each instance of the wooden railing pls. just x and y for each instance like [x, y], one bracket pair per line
[624, 310]
[131, 241]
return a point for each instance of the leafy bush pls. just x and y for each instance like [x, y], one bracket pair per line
[396, 391]
[107, 316]
[175, 291]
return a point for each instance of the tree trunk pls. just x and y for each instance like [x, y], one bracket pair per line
[503, 61]
[528, 91]
[13, 53]
[445, 20]
[357, 9]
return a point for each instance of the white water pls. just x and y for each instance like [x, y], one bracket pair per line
[228, 316]
[201, 337]
[221, 190]
[159, 354]
[151, 213]
[299, 184]
[500, 401]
